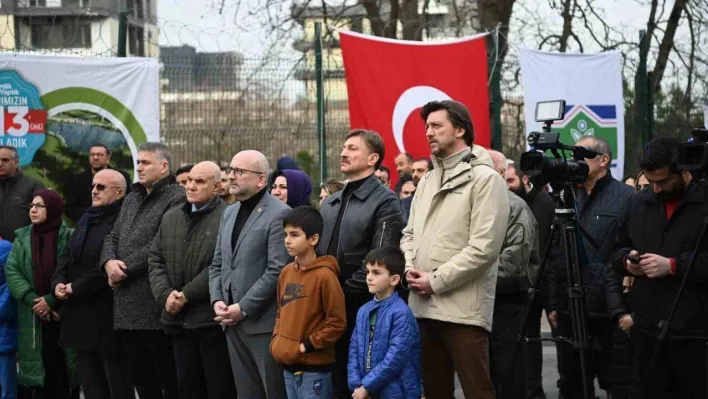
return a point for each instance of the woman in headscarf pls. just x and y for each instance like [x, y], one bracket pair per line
[44, 367]
[292, 187]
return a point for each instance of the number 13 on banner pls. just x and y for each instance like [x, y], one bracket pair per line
[17, 121]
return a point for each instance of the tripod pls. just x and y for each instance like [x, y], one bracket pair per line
[566, 224]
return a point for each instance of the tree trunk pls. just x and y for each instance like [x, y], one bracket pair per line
[667, 43]
[568, 8]
[374, 15]
[412, 25]
[492, 13]
[391, 30]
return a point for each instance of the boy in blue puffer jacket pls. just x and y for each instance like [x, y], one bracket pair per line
[8, 331]
[384, 355]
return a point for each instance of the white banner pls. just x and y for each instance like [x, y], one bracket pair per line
[591, 85]
[55, 108]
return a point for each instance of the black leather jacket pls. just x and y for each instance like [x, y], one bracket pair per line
[372, 218]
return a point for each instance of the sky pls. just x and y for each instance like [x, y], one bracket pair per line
[199, 23]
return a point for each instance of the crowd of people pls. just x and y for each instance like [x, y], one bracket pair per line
[211, 282]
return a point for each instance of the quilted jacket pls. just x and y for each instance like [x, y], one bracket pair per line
[395, 353]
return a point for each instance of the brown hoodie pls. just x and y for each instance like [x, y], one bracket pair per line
[310, 311]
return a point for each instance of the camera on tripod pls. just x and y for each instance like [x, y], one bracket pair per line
[560, 168]
[693, 155]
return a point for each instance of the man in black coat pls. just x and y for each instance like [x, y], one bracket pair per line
[543, 210]
[662, 228]
[364, 216]
[601, 200]
[125, 261]
[79, 195]
[16, 193]
[179, 259]
[87, 313]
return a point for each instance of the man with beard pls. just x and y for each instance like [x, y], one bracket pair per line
[78, 197]
[223, 191]
[543, 210]
[404, 167]
[420, 168]
[662, 228]
[519, 262]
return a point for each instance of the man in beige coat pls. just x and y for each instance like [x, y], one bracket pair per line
[452, 243]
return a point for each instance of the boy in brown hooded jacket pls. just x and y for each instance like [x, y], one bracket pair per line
[311, 313]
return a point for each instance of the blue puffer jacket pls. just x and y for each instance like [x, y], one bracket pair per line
[395, 355]
[8, 309]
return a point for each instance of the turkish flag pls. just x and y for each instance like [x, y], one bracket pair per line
[389, 81]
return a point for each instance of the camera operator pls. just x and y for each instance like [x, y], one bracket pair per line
[600, 202]
[662, 228]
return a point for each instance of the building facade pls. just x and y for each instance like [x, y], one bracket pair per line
[78, 27]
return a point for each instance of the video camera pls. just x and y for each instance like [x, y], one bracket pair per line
[560, 168]
[693, 155]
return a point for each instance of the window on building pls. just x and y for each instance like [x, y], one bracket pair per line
[60, 33]
[37, 3]
[135, 8]
[136, 41]
[357, 24]
[76, 3]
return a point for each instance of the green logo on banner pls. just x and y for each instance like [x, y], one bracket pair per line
[589, 120]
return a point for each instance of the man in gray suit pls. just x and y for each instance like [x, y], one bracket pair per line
[243, 276]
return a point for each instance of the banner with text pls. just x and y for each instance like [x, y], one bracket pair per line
[591, 85]
[389, 81]
[55, 108]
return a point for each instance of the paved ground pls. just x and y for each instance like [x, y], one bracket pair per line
[550, 371]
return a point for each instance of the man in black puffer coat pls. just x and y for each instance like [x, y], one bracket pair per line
[601, 201]
[179, 276]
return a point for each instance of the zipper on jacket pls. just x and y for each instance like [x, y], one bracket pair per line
[383, 231]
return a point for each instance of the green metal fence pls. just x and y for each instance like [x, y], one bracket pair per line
[213, 105]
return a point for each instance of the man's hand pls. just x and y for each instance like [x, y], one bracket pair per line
[174, 304]
[655, 266]
[41, 308]
[553, 319]
[634, 268]
[360, 393]
[419, 282]
[626, 322]
[302, 348]
[60, 292]
[115, 269]
[223, 314]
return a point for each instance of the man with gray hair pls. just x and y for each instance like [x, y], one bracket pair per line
[601, 201]
[125, 262]
[243, 277]
[16, 192]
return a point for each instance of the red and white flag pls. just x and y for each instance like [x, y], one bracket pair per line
[389, 81]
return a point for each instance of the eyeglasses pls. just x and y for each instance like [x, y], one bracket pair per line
[239, 171]
[101, 187]
[37, 205]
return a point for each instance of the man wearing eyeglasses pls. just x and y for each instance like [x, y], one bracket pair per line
[243, 276]
[125, 262]
[16, 192]
[87, 318]
[79, 195]
[601, 200]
